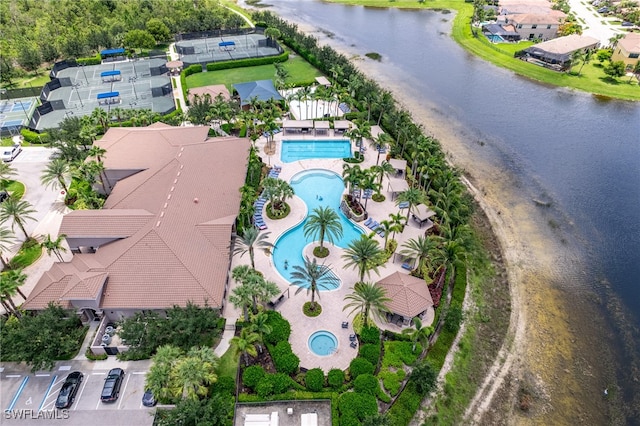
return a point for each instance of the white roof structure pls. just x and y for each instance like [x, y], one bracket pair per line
[309, 419]
[262, 419]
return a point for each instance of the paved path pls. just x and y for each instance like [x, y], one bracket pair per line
[592, 22]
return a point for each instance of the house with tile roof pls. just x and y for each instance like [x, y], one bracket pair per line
[627, 50]
[409, 297]
[163, 235]
[535, 26]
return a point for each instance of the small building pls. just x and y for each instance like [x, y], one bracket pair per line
[340, 127]
[212, 90]
[261, 90]
[410, 297]
[557, 53]
[533, 26]
[627, 50]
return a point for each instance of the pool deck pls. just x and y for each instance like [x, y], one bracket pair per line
[332, 301]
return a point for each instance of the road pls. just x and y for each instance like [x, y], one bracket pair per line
[593, 23]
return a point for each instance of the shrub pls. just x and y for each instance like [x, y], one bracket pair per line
[282, 348]
[250, 62]
[252, 376]
[264, 387]
[224, 386]
[366, 383]
[360, 366]
[397, 354]
[392, 380]
[91, 60]
[287, 364]
[370, 352]
[32, 137]
[93, 357]
[306, 309]
[335, 378]
[192, 69]
[453, 319]
[280, 328]
[357, 405]
[314, 380]
[280, 382]
[370, 334]
[424, 377]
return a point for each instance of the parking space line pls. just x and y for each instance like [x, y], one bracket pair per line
[84, 385]
[13, 376]
[46, 394]
[43, 375]
[139, 372]
[18, 392]
[125, 389]
[64, 368]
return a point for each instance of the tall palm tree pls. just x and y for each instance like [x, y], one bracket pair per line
[323, 223]
[241, 297]
[387, 227]
[56, 174]
[159, 376]
[419, 333]
[6, 239]
[277, 191]
[351, 175]
[245, 344]
[399, 221]
[413, 196]
[382, 170]
[369, 182]
[54, 246]
[364, 255]
[369, 300]
[251, 239]
[10, 283]
[420, 248]
[19, 211]
[314, 276]
[260, 326]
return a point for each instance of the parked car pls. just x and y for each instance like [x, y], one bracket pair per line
[112, 384]
[11, 152]
[69, 390]
[627, 24]
[148, 400]
[3, 195]
[603, 10]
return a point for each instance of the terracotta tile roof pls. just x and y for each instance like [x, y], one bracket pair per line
[528, 18]
[409, 295]
[84, 286]
[119, 223]
[180, 209]
[630, 42]
[213, 90]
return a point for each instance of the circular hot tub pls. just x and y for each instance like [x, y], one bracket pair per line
[323, 343]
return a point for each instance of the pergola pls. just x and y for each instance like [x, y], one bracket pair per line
[341, 126]
[422, 214]
[396, 186]
[290, 127]
[399, 165]
[321, 128]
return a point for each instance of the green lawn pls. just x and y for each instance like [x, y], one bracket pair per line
[15, 188]
[27, 255]
[300, 73]
[228, 365]
[592, 79]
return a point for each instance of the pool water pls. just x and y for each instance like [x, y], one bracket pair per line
[316, 188]
[294, 150]
[323, 343]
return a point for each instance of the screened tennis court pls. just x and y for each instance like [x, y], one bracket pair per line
[231, 47]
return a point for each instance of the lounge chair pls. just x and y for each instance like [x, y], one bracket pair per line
[380, 232]
[403, 205]
[352, 337]
[345, 324]
[407, 266]
[374, 225]
[368, 222]
[353, 345]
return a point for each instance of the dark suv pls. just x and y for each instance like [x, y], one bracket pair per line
[69, 390]
[112, 384]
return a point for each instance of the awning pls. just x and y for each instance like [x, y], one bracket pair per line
[109, 73]
[422, 212]
[398, 185]
[107, 95]
[107, 52]
[400, 165]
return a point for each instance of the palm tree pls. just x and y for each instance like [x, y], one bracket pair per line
[304, 94]
[54, 246]
[351, 176]
[369, 182]
[19, 211]
[420, 248]
[369, 300]
[586, 58]
[6, 172]
[418, 334]
[364, 255]
[241, 297]
[159, 376]
[250, 239]
[10, 283]
[277, 191]
[413, 196]
[314, 276]
[387, 227]
[56, 174]
[195, 372]
[323, 222]
[6, 239]
[382, 170]
[245, 344]
[397, 220]
[260, 326]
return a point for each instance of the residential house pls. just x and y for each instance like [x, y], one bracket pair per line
[557, 53]
[536, 27]
[627, 50]
[163, 235]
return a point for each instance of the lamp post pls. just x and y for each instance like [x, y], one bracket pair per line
[75, 86]
[132, 80]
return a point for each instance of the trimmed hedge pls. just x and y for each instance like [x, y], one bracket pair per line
[399, 354]
[249, 62]
[90, 60]
[352, 405]
[252, 376]
[224, 385]
[280, 328]
[360, 366]
[32, 137]
[370, 352]
[370, 334]
[314, 380]
[335, 378]
[366, 383]
[392, 380]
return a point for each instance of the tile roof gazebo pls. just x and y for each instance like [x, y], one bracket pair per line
[410, 297]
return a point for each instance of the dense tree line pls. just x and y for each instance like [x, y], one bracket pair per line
[39, 31]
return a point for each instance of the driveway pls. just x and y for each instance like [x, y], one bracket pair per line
[593, 23]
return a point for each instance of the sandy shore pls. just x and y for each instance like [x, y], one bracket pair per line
[548, 358]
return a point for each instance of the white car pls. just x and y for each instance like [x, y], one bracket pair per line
[10, 152]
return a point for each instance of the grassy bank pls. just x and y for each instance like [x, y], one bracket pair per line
[592, 79]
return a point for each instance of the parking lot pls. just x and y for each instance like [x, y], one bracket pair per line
[26, 395]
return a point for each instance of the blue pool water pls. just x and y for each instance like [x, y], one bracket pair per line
[316, 188]
[294, 150]
[323, 343]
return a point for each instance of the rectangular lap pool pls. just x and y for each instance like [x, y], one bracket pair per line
[294, 150]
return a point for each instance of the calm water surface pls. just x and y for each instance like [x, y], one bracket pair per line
[577, 151]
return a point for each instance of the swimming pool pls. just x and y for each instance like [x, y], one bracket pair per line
[294, 150]
[316, 188]
[323, 343]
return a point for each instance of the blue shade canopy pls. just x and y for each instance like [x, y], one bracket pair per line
[117, 51]
[109, 73]
[107, 95]
[226, 43]
[262, 90]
